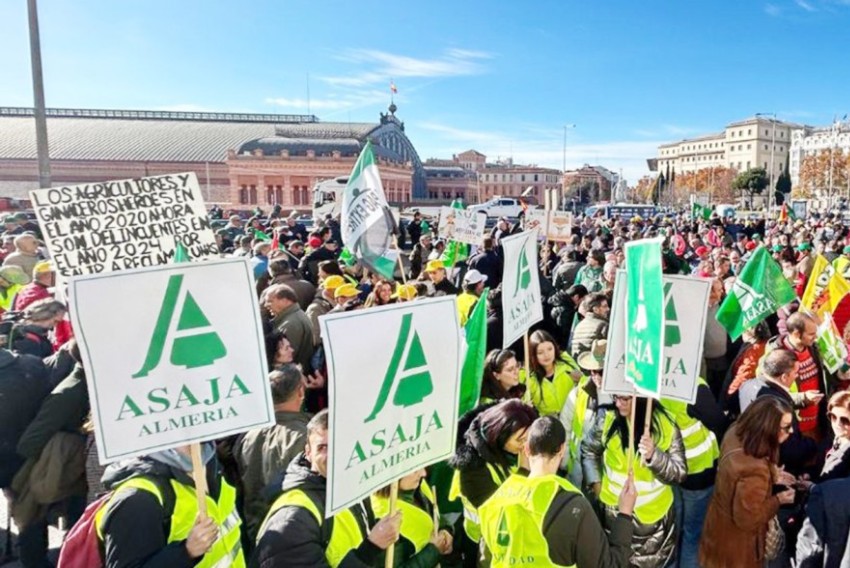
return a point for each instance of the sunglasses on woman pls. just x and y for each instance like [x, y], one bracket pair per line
[788, 429]
[843, 420]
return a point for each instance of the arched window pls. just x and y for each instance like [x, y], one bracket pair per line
[243, 195]
[252, 195]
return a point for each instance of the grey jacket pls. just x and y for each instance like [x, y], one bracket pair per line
[654, 544]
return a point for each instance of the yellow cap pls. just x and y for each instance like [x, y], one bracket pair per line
[333, 282]
[405, 292]
[434, 265]
[43, 266]
[346, 291]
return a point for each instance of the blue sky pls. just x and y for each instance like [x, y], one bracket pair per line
[501, 77]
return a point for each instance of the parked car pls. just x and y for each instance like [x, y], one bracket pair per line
[501, 207]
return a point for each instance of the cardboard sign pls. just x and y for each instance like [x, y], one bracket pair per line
[171, 358]
[396, 410]
[555, 225]
[522, 303]
[117, 225]
[462, 225]
[685, 316]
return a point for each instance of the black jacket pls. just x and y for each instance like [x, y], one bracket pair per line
[63, 410]
[488, 263]
[822, 542]
[797, 450]
[708, 411]
[30, 339]
[293, 539]
[136, 526]
[24, 383]
[310, 264]
[445, 288]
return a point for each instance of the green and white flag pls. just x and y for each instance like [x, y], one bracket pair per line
[644, 316]
[522, 304]
[759, 291]
[701, 211]
[832, 350]
[366, 221]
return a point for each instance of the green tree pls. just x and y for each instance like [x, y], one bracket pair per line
[783, 182]
[751, 182]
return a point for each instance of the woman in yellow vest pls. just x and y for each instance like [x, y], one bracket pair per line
[701, 425]
[487, 453]
[152, 517]
[658, 463]
[419, 545]
[501, 377]
[553, 374]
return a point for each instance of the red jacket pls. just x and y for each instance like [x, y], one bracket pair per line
[30, 293]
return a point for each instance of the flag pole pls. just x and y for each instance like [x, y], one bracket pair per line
[632, 433]
[390, 555]
[527, 347]
[435, 512]
[199, 474]
[647, 423]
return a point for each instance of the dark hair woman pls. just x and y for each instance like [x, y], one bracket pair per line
[381, 294]
[658, 464]
[487, 453]
[278, 350]
[553, 374]
[744, 502]
[501, 377]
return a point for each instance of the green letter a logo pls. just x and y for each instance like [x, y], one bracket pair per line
[194, 344]
[672, 334]
[503, 535]
[523, 272]
[408, 371]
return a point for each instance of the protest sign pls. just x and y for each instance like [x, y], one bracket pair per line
[173, 354]
[396, 410]
[462, 225]
[116, 225]
[832, 349]
[522, 304]
[644, 316]
[553, 225]
[685, 316]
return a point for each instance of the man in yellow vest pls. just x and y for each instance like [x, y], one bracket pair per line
[473, 287]
[543, 520]
[152, 517]
[296, 534]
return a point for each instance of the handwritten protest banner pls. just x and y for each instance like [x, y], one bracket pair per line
[116, 225]
[462, 225]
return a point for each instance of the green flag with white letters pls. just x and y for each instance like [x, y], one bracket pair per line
[644, 316]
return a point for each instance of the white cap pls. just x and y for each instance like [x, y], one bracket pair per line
[474, 277]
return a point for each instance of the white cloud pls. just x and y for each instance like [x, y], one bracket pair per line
[805, 6]
[383, 66]
[539, 146]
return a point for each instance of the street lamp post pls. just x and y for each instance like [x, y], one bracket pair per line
[38, 96]
[770, 196]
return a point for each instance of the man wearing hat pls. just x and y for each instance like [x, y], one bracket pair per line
[473, 287]
[805, 260]
[26, 225]
[579, 412]
[436, 271]
[43, 279]
[344, 294]
[12, 281]
[323, 303]
[11, 226]
[419, 254]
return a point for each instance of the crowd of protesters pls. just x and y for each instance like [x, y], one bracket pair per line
[756, 472]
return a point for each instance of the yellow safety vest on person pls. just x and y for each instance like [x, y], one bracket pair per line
[701, 448]
[346, 534]
[582, 400]
[417, 525]
[654, 496]
[512, 521]
[465, 301]
[7, 297]
[471, 522]
[227, 549]
[549, 396]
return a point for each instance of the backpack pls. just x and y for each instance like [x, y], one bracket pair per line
[82, 547]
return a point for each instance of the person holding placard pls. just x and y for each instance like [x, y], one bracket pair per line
[553, 374]
[487, 453]
[152, 517]
[296, 534]
[420, 544]
[659, 463]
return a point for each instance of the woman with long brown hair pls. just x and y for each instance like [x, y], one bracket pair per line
[501, 377]
[744, 503]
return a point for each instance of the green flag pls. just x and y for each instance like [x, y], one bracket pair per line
[701, 211]
[759, 291]
[644, 316]
[181, 254]
[259, 235]
[366, 221]
[347, 258]
[476, 349]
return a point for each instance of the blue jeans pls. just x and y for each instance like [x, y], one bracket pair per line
[691, 508]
